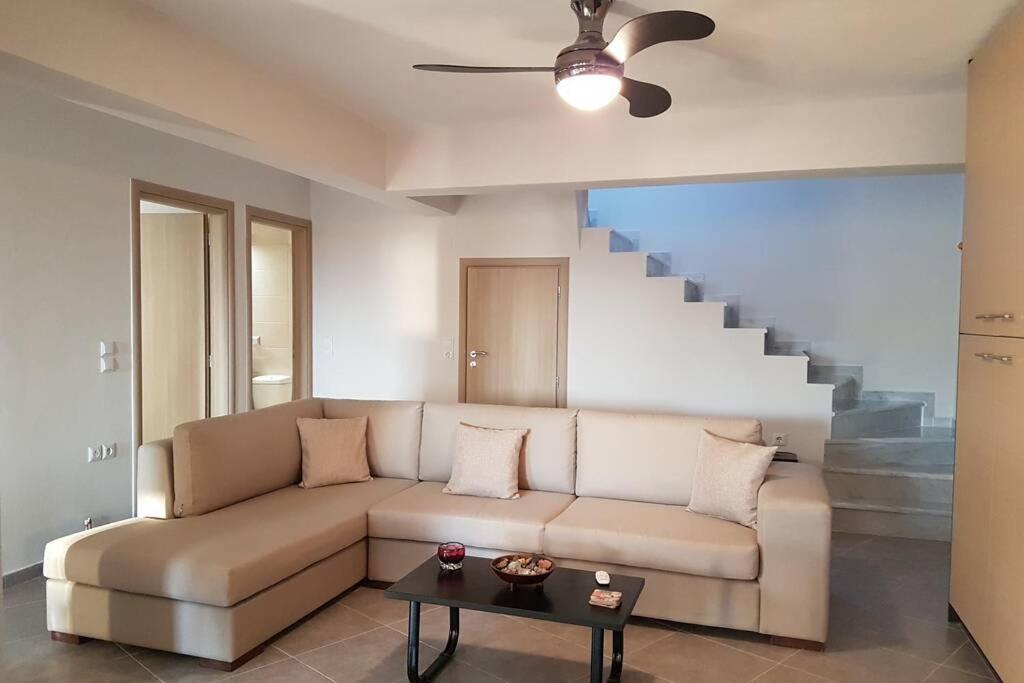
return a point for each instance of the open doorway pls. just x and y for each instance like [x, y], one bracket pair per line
[280, 307]
[183, 302]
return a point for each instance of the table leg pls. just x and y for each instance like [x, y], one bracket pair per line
[412, 661]
[617, 654]
[596, 655]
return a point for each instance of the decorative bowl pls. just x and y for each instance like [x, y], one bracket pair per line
[499, 566]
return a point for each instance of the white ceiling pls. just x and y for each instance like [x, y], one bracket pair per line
[359, 52]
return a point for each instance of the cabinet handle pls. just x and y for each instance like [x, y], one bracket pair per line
[993, 356]
[995, 316]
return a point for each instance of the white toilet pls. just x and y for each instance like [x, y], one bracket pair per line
[269, 390]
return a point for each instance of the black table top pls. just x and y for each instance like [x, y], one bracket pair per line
[563, 597]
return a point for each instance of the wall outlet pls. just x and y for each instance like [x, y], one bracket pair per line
[108, 451]
[93, 453]
[780, 439]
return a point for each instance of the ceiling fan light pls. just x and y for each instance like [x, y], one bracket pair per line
[589, 91]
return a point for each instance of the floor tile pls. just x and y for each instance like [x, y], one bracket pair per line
[754, 643]
[848, 658]
[372, 603]
[968, 659]
[33, 590]
[785, 674]
[174, 668]
[288, 671]
[843, 542]
[124, 670]
[330, 625]
[22, 621]
[944, 674]
[684, 657]
[39, 658]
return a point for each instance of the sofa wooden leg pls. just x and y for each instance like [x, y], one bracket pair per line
[231, 666]
[69, 638]
[797, 643]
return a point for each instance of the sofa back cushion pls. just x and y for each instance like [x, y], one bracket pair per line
[548, 458]
[647, 458]
[392, 433]
[223, 460]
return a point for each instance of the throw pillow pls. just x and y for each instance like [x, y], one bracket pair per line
[486, 462]
[727, 478]
[333, 451]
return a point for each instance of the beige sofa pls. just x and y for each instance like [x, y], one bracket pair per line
[228, 550]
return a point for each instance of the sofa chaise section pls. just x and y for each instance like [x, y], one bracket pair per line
[231, 554]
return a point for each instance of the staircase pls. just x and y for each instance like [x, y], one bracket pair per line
[889, 469]
[888, 472]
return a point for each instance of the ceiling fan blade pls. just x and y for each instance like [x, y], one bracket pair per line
[456, 69]
[658, 27]
[645, 99]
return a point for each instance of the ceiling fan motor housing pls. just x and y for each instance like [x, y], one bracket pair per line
[586, 61]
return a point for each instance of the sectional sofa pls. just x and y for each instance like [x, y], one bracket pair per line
[227, 550]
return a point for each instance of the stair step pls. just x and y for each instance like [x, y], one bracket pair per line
[886, 489]
[891, 452]
[859, 418]
[836, 374]
[691, 291]
[791, 348]
[882, 520]
[844, 389]
[618, 242]
[732, 310]
[659, 264]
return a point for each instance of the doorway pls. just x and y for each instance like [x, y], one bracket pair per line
[182, 299]
[513, 330]
[280, 307]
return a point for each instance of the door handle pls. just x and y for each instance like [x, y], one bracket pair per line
[994, 316]
[477, 354]
[994, 356]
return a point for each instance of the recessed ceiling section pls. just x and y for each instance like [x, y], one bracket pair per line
[359, 52]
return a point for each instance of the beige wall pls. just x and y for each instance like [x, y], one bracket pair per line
[65, 176]
[272, 300]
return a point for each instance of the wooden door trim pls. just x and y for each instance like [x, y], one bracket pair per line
[563, 314]
[142, 190]
[302, 296]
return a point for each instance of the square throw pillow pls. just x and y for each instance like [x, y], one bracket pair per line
[727, 478]
[486, 462]
[333, 451]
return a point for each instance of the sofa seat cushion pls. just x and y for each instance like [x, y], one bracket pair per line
[225, 556]
[654, 536]
[424, 513]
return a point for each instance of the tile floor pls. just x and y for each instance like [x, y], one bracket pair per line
[888, 624]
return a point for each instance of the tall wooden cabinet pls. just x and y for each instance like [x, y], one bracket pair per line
[987, 576]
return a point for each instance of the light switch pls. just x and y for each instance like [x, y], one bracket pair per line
[108, 348]
[107, 364]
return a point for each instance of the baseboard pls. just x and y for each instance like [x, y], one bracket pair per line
[22, 575]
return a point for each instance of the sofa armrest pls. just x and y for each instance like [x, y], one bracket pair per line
[155, 484]
[794, 532]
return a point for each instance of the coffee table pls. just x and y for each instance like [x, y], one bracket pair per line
[563, 598]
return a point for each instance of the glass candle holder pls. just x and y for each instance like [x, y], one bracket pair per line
[451, 555]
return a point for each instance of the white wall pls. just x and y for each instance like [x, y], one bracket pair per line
[65, 285]
[385, 300]
[865, 268]
[385, 285]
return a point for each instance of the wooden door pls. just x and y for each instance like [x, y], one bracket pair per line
[992, 275]
[514, 339]
[988, 504]
[174, 321]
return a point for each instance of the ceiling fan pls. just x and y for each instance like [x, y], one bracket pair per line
[591, 72]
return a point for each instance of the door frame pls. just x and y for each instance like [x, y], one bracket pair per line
[302, 297]
[205, 204]
[563, 314]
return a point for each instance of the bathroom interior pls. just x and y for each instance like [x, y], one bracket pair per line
[273, 333]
